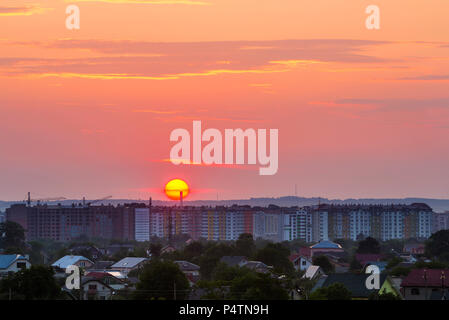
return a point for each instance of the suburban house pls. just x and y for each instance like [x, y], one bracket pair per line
[13, 263]
[106, 278]
[168, 249]
[356, 283]
[414, 248]
[313, 272]
[426, 284]
[79, 261]
[94, 289]
[126, 265]
[117, 248]
[91, 251]
[301, 263]
[101, 265]
[234, 261]
[325, 246]
[258, 266]
[191, 270]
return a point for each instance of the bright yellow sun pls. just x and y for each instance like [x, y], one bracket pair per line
[174, 187]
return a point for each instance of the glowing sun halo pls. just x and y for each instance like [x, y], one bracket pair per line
[174, 187]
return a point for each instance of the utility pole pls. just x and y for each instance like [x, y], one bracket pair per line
[174, 289]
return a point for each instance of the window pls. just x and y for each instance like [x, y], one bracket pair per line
[21, 265]
[415, 291]
[92, 287]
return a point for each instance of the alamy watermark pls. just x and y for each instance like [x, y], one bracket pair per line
[212, 153]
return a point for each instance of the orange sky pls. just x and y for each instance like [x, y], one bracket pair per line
[360, 113]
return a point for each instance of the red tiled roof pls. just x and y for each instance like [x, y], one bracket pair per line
[293, 257]
[304, 251]
[433, 278]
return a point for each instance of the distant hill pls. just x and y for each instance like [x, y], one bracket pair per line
[438, 205]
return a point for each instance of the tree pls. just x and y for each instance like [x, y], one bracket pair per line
[336, 291]
[12, 234]
[159, 279]
[276, 255]
[211, 257]
[193, 250]
[30, 284]
[355, 265]
[438, 244]
[257, 286]
[369, 245]
[245, 245]
[155, 249]
[324, 263]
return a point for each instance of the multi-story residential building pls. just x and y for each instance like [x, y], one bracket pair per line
[137, 221]
[440, 221]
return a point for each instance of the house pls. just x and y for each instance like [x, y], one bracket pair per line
[128, 264]
[88, 250]
[301, 263]
[414, 248]
[234, 261]
[106, 278]
[94, 289]
[116, 248]
[168, 249]
[313, 272]
[258, 266]
[191, 270]
[13, 263]
[64, 262]
[101, 265]
[426, 284]
[325, 246]
[408, 257]
[356, 283]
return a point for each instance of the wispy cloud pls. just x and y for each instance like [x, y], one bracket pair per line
[23, 10]
[149, 2]
[154, 111]
[140, 60]
[428, 77]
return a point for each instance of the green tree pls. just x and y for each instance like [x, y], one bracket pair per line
[159, 279]
[211, 258]
[336, 291]
[324, 263]
[437, 244]
[12, 234]
[355, 266]
[155, 249]
[276, 255]
[257, 286]
[400, 271]
[36, 283]
[369, 245]
[245, 246]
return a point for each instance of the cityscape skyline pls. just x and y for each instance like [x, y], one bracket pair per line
[361, 113]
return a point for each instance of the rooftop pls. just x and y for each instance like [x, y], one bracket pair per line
[68, 260]
[325, 244]
[7, 259]
[427, 277]
[128, 262]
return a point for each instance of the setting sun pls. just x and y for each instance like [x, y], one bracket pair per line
[174, 187]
